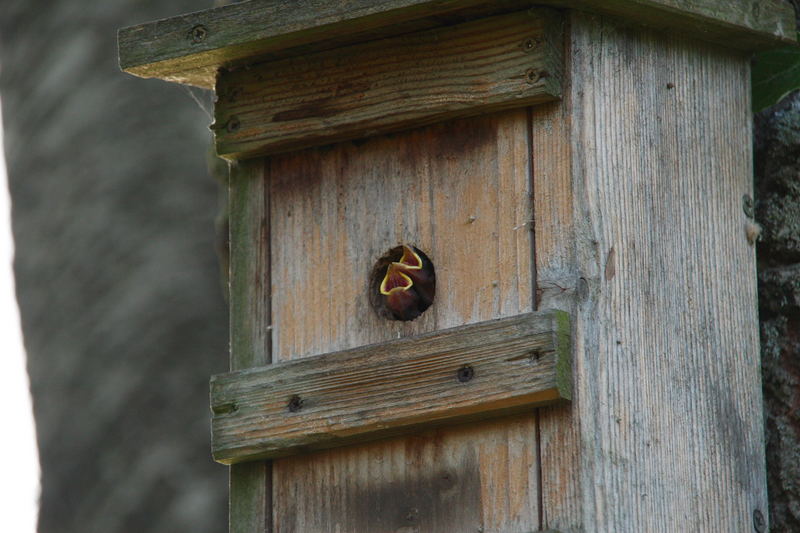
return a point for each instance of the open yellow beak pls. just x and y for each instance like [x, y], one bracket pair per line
[410, 260]
[395, 280]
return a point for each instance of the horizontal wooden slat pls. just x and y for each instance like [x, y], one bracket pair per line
[190, 48]
[391, 84]
[392, 388]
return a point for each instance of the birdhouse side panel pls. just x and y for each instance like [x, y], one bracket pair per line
[667, 415]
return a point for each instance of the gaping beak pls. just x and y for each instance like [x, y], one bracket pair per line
[402, 299]
[411, 259]
[395, 280]
[419, 269]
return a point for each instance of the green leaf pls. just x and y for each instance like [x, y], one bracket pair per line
[775, 74]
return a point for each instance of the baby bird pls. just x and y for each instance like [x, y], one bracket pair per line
[409, 284]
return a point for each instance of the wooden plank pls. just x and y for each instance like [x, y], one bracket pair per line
[667, 412]
[250, 323]
[250, 484]
[557, 281]
[745, 25]
[466, 373]
[389, 85]
[459, 190]
[191, 48]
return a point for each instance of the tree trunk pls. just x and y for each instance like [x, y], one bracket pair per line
[117, 278]
[777, 164]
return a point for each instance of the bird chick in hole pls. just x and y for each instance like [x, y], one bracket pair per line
[409, 285]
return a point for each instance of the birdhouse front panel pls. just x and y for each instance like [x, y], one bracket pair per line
[460, 191]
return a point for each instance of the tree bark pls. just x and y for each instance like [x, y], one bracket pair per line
[777, 168]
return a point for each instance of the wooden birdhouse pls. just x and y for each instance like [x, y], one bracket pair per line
[568, 339]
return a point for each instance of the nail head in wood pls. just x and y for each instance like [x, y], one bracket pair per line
[465, 373]
[528, 45]
[533, 75]
[233, 124]
[198, 34]
[295, 404]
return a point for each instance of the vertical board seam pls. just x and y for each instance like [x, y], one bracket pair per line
[269, 519]
[535, 306]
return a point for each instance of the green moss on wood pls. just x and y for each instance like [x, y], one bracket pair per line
[563, 343]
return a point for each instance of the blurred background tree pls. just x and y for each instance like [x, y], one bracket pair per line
[776, 78]
[117, 278]
[777, 161]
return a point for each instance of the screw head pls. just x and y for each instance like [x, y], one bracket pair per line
[198, 34]
[532, 75]
[529, 45]
[465, 373]
[233, 124]
[295, 404]
[759, 522]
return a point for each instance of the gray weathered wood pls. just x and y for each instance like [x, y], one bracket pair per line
[512, 364]
[557, 281]
[665, 432]
[250, 484]
[190, 48]
[249, 289]
[391, 84]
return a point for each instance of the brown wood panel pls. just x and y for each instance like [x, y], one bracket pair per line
[390, 84]
[472, 372]
[190, 48]
[250, 484]
[667, 413]
[460, 192]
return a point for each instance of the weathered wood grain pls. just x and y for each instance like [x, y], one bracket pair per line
[250, 484]
[250, 322]
[745, 25]
[389, 85]
[667, 414]
[495, 367]
[458, 190]
[557, 282]
[190, 48]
